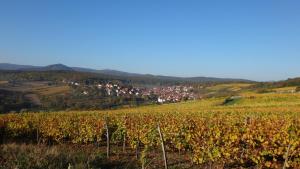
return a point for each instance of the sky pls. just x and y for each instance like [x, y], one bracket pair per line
[251, 39]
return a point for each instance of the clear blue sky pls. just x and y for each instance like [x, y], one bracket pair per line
[254, 39]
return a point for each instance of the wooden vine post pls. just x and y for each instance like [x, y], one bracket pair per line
[2, 131]
[37, 136]
[38, 132]
[286, 157]
[124, 142]
[137, 148]
[124, 135]
[163, 147]
[107, 138]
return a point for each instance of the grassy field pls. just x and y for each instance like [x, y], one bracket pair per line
[41, 88]
[3, 82]
[33, 92]
[253, 131]
[285, 89]
[51, 90]
[231, 86]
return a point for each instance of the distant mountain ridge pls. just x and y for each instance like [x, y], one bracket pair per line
[54, 67]
[9, 66]
[62, 67]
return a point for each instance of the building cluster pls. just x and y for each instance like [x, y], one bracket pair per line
[118, 90]
[164, 94]
[174, 93]
[109, 88]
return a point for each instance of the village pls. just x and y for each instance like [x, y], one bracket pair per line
[161, 94]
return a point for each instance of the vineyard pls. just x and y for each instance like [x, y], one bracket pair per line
[257, 130]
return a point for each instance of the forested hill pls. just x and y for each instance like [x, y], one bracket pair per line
[283, 83]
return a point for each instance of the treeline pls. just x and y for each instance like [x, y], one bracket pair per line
[144, 80]
[81, 76]
[11, 101]
[48, 76]
[71, 102]
[16, 102]
[285, 83]
[264, 86]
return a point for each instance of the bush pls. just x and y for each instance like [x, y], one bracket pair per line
[231, 100]
[265, 91]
